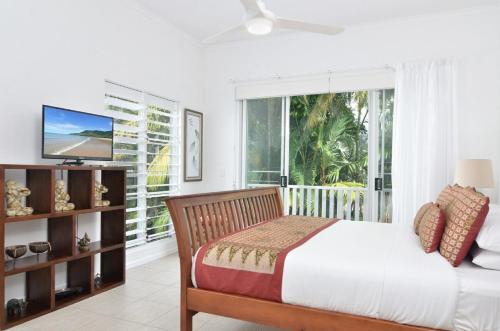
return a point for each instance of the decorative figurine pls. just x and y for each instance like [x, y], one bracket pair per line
[62, 198]
[99, 191]
[14, 193]
[84, 243]
[16, 307]
[98, 281]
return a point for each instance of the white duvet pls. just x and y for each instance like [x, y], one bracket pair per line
[380, 271]
[370, 269]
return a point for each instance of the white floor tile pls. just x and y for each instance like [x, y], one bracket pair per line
[149, 301]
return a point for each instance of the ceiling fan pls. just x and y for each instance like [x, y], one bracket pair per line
[261, 21]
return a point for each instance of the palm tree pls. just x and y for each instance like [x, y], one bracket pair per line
[328, 140]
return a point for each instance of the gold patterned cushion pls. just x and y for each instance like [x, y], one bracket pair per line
[431, 228]
[464, 217]
[420, 215]
[445, 197]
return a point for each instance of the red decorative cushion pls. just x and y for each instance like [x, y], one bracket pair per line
[420, 215]
[464, 217]
[431, 228]
[445, 197]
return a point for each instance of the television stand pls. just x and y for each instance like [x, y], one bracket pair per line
[77, 162]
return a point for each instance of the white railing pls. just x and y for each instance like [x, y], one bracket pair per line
[324, 201]
[333, 202]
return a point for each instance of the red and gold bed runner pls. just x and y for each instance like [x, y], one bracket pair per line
[250, 262]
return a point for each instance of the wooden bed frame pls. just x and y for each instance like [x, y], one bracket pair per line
[201, 218]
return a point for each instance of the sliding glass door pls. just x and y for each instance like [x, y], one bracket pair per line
[264, 132]
[383, 153]
[329, 152]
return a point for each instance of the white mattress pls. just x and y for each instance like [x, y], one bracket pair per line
[380, 271]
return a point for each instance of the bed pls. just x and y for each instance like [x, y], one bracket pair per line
[343, 276]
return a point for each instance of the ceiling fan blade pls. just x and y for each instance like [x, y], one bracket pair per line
[286, 23]
[252, 7]
[220, 36]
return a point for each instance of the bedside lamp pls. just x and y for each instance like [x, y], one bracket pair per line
[477, 173]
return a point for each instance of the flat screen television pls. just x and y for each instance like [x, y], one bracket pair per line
[70, 134]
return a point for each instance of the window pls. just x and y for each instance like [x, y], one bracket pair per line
[146, 140]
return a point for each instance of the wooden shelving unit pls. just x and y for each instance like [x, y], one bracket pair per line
[61, 233]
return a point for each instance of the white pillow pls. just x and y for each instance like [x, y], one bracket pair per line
[486, 259]
[489, 235]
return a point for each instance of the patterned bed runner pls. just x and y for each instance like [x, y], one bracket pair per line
[250, 262]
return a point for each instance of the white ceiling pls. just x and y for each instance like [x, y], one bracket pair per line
[203, 18]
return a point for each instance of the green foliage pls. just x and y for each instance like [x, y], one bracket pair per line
[328, 138]
[158, 169]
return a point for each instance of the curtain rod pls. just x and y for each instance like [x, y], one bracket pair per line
[329, 72]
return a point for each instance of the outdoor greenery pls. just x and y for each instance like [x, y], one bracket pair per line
[329, 139]
[159, 164]
[157, 169]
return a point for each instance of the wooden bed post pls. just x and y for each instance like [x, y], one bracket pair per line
[186, 314]
[184, 249]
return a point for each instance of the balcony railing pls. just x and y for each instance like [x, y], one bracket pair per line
[333, 202]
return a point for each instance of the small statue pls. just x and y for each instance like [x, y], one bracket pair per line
[14, 193]
[98, 281]
[84, 243]
[16, 307]
[99, 191]
[62, 198]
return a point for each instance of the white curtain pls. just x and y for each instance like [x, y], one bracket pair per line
[424, 151]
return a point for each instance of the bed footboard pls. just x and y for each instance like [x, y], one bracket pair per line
[201, 218]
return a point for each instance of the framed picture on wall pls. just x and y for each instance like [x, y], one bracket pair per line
[193, 145]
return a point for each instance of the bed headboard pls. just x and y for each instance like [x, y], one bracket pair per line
[204, 217]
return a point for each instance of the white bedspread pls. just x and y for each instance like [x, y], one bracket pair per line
[478, 306]
[372, 269]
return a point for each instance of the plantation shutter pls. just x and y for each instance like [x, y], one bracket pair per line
[163, 164]
[146, 140]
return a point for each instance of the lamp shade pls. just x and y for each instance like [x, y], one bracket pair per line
[474, 172]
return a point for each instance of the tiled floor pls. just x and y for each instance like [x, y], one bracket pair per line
[147, 302]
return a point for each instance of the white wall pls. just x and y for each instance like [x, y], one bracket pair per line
[59, 52]
[472, 37]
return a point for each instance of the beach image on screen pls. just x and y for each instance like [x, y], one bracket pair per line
[79, 135]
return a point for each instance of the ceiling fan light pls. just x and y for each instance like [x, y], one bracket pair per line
[259, 26]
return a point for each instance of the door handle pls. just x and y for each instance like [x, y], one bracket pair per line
[283, 181]
[378, 184]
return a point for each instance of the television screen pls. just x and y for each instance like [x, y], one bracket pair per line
[69, 134]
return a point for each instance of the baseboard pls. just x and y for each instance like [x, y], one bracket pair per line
[140, 255]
